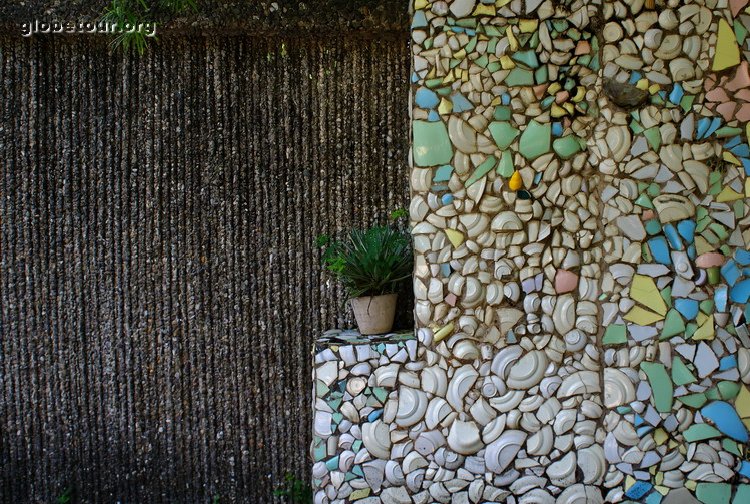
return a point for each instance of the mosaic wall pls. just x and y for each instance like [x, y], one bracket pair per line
[579, 219]
[582, 248]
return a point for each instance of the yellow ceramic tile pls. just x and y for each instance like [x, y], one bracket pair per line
[747, 187]
[506, 63]
[442, 333]
[706, 330]
[642, 84]
[580, 93]
[456, 237]
[654, 88]
[515, 182]
[420, 4]
[554, 88]
[557, 110]
[445, 107]
[484, 10]
[662, 489]
[727, 53]
[642, 317]
[569, 107]
[643, 290]
[742, 403]
[512, 41]
[660, 436]
[528, 25]
[730, 158]
[728, 194]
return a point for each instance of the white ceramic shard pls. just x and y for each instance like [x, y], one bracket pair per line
[506, 221]
[377, 439]
[434, 381]
[413, 461]
[428, 442]
[501, 452]
[673, 207]
[581, 494]
[464, 438]
[541, 442]
[564, 315]
[437, 410]
[412, 405]
[562, 472]
[462, 135]
[386, 376]
[482, 412]
[462, 381]
[593, 465]
[618, 389]
[578, 383]
[528, 371]
[504, 360]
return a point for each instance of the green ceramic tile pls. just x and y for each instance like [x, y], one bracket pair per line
[673, 324]
[505, 167]
[713, 493]
[503, 133]
[615, 334]
[700, 432]
[482, 170]
[432, 146]
[568, 146]
[681, 375]
[661, 385]
[535, 140]
[519, 77]
[693, 400]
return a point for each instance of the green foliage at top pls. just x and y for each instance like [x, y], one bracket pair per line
[369, 262]
[296, 491]
[136, 12]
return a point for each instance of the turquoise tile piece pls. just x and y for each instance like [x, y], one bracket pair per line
[535, 140]
[432, 146]
[503, 133]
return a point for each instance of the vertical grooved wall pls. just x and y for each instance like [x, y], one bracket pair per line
[160, 284]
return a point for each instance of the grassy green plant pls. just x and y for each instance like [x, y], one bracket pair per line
[295, 490]
[369, 262]
[66, 497]
[136, 12]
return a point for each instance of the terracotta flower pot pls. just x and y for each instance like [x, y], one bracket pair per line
[375, 314]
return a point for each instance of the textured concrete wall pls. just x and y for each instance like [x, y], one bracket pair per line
[160, 286]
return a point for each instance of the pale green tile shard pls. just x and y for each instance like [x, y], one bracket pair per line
[714, 493]
[700, 432]
[615, 334]
[503, 133]
[661, 385]
[673, 325]
[505, 167]
[535, 140]
[681, 375]
[568, 146]
[482, 170]
[520, 77]
[432, 146]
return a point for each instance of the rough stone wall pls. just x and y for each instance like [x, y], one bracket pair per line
[579, 217]
[160, 285]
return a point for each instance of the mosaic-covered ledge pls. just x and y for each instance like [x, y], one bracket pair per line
[355, 400]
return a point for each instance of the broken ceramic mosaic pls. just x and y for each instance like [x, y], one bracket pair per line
[582, 267]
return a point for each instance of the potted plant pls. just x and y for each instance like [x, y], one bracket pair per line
[371, 264]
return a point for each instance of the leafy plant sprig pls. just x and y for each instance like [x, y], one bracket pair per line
[369, 262]
[136, 12]
[295, 490]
